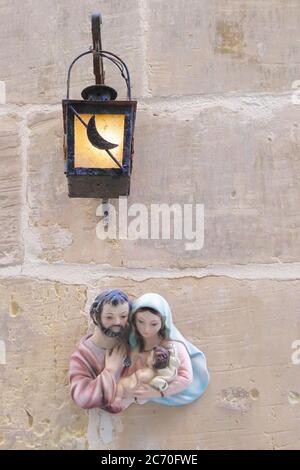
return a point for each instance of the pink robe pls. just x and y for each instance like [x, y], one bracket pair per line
[92, 386]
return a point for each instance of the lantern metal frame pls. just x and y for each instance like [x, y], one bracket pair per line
[87, 182]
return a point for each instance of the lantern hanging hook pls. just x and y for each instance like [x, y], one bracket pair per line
[98, 55]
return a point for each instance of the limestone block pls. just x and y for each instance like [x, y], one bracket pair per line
[246, 330]
[239, 158]
[11, 251]
[40, 44]
[40, 323]
[216, 47]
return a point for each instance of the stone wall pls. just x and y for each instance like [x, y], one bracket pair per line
[217, 84]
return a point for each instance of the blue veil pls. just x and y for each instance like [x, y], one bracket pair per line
[200, 372]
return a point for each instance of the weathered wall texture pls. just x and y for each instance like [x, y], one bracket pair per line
[217, 124]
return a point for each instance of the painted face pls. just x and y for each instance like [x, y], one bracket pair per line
[148, 324]
[114, 319]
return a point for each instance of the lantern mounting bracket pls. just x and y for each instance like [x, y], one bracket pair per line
[97, 47]
[98, 55]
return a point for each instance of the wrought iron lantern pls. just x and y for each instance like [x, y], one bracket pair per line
[98, 130]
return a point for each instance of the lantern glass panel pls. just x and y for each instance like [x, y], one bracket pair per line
[111, 128]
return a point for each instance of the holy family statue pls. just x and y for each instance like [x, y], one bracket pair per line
[135, 355]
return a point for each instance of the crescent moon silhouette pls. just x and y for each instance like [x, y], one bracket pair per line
[95, 138]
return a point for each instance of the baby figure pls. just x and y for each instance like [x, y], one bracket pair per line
[162, 366]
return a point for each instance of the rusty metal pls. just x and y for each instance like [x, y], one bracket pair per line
[97, 47]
